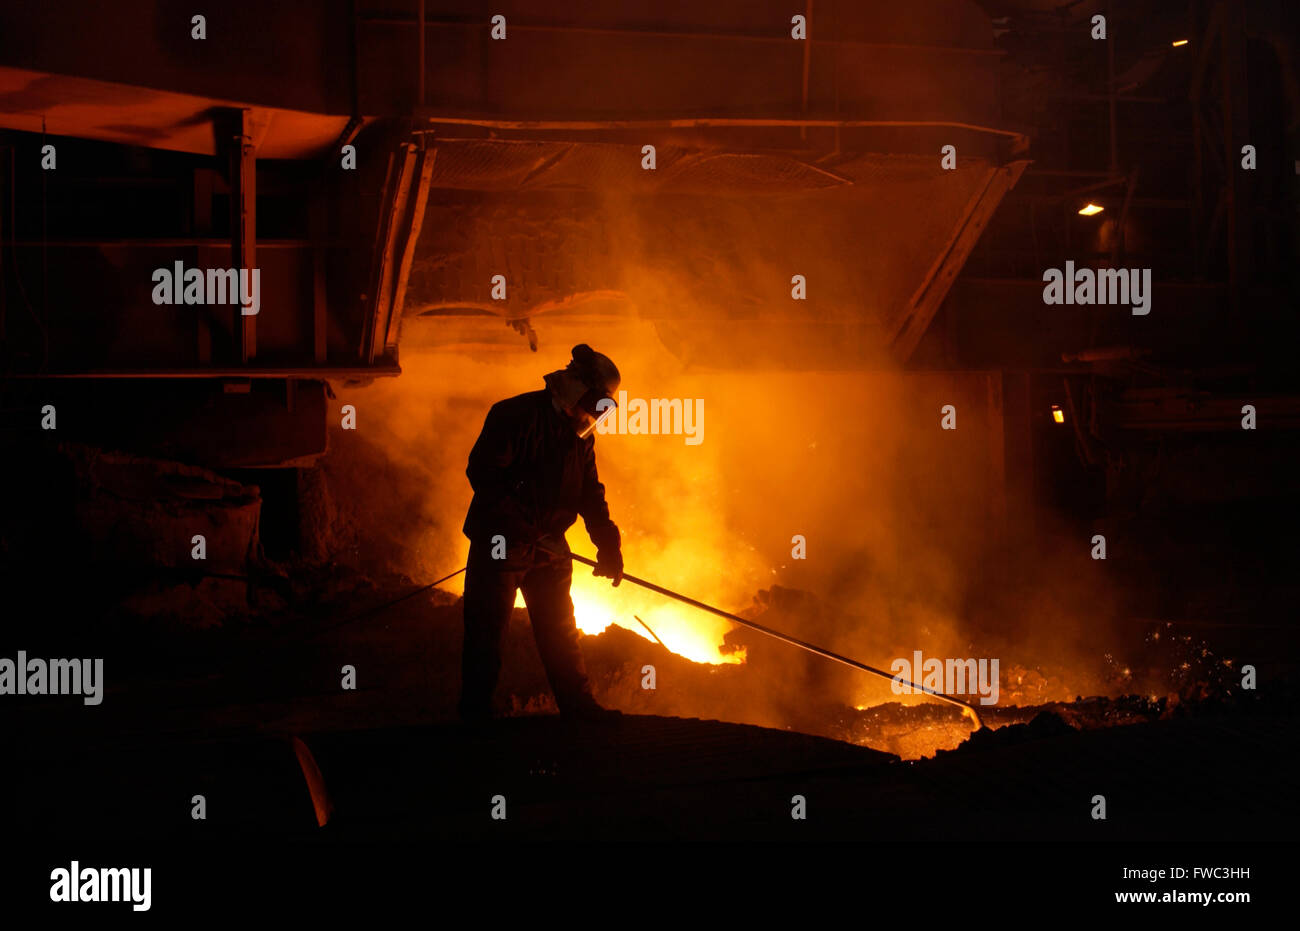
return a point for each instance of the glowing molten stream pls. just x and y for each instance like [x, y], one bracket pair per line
[684, 630]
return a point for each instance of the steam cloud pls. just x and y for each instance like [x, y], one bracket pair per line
[905, 523]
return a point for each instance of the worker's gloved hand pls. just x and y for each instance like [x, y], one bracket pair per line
[609, 565]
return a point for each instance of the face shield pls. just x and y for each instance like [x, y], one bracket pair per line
[595, 408]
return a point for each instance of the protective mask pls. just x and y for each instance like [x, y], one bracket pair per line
[575, 400]
[605, 408]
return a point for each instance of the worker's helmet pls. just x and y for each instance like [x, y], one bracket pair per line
[599, 374]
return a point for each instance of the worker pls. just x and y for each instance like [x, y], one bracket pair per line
[533, 471]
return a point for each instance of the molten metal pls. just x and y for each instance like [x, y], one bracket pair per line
[811, 648]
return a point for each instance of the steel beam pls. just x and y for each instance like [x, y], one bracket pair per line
[1019, 140]
[319, 308]
[925, 302]
[774, 40]
[405, 197]
[243, 220]
[411, 235]
[397, 191]
[1178, 410]
[314, 373]
[1236, 115]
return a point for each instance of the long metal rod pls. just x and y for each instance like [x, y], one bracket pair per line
[807, 65]
[1112, 94]
[306, 372]
[421, 65]
[779, 37]
[652, 633]
[794, 641]
[704, 122]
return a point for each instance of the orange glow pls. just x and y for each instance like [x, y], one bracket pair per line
[1178, 43]
[1057, 414]
[697, 637]
[1091, 210]
[685, 631]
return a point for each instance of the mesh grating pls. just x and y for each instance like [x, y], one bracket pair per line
[498, 166]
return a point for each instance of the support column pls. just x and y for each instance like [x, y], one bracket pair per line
[243, 222]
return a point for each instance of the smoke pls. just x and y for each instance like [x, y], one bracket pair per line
[821, 469]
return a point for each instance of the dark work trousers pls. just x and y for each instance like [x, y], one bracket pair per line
[490, 586]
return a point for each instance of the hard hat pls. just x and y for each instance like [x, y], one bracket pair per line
[599, 375]
[595, 370]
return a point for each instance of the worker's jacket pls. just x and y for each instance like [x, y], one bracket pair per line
[532, 475]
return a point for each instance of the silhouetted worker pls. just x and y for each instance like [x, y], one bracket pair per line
[533, 471]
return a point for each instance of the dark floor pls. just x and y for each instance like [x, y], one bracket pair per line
[648, 778]
[1003, 822]
[395, 765]
[213, 713]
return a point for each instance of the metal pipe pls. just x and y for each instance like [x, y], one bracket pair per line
[308, 372]
[290, 640]
[807, 63]
[421, 32]
[1111, 92]
[779, 38]
[704, 122]
[652, 633]
[190, 242]
[794, 641]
